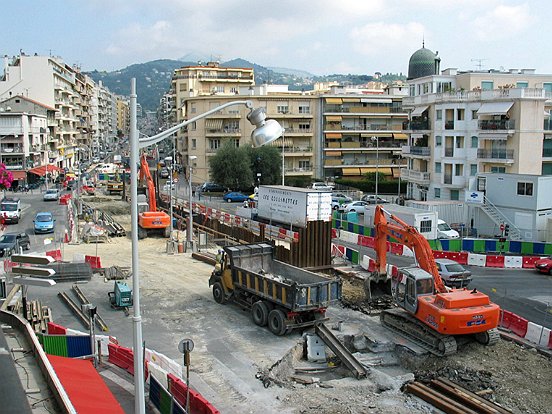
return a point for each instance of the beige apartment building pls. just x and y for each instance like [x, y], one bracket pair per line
[465, 123]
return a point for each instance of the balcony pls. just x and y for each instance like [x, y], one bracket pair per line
[496, 155]
[416, 151]
[494, 125]
[456, 181]
[418, 177]
[416, 126]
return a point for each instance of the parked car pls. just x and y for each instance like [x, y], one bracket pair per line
[453, 273]
[167, 187]
[10, 209]
[10, 243]
[234, 196]
[212, 188]
[342, 198]
[373, 199]
[44, 222]
[51, 195]
[544, 265]
[321, 186]
[355, 207]
[444, 231]
[164, 173]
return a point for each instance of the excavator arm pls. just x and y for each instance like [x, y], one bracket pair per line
[146, 174]
[408, 236]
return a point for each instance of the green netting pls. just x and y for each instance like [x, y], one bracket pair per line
[55, 345]
[526, 247]
[479, 246]
[548, 249]
[354, 257]
[455, 245]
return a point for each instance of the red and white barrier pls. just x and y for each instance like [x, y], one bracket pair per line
[537, 334]
[513, 262]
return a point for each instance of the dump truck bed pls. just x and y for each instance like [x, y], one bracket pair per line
[255, 270]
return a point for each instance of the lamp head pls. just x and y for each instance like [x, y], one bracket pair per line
[265, 130]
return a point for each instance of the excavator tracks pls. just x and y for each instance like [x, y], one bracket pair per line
[405, 324]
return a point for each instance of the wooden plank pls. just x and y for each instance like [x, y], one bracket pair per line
[10, 297]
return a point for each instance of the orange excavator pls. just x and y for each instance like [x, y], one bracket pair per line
[428, 312]
[151, 221]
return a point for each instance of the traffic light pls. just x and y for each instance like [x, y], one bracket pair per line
[506, 230]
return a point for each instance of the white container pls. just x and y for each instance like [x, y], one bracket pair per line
[424, 221]
[453, 212]
[293, 205]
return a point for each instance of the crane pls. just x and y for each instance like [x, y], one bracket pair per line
[428, 312]
[151, 221]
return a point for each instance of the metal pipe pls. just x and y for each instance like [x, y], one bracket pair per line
[139, 395]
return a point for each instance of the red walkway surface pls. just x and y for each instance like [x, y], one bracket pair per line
[85, 387]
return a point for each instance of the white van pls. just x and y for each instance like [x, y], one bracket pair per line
[444, 231]
[10, 209]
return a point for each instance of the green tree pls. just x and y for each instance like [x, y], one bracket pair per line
[231, 167]
[266, 160]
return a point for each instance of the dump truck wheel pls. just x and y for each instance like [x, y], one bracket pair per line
[218, 293]
[277, 322]
[259, 311]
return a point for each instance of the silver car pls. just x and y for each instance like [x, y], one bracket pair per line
[51, 195]
[453, 273]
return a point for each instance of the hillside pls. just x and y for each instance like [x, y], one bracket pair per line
[153, 79]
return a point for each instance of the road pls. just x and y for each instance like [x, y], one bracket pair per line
[32, 203]
[522, 291]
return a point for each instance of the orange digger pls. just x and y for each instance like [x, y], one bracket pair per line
[428, 312]
[151, 221]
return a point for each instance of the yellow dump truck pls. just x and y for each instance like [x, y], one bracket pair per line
[114, 187]
[279, 295]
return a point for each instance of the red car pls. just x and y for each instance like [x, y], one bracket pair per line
[544, 265]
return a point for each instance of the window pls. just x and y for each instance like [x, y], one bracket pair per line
[183, 87]
[282, 109]
[474, 142]
[438, 140]
[219, 89]
[459, 142]
[454, 195]
[458, 170]
[304, 109]
[460, 114]
[473, 170]
[304, 127]
[194, 143]
[525, 189]
[439, 114]
[547, 86]
[487, 85]
[193, 108]
[425, 226]
[437, 192]
[214, 144]
[474, 114]
[304, 165]
[234, 90]
[498, 169]
[437, 168]
[192, 126]
[522, 85]
[237, 142]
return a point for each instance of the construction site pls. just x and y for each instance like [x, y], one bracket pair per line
[344, 361]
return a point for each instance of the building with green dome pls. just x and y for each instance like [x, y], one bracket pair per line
[423, 62]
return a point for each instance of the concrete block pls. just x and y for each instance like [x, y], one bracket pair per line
[477, 259]
[513, 262]
[535, 333]
[316, 350]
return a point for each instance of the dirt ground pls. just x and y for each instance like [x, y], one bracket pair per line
[512, 375]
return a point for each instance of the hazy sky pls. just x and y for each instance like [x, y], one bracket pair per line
[319, 36]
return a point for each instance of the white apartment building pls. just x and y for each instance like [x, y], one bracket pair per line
[465, 123]
[75, 98]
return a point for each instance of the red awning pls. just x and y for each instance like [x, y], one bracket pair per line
[85, 387]
[42, 169]
[18, 174]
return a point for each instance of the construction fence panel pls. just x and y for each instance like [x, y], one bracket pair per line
[513, 262]
[476, 259]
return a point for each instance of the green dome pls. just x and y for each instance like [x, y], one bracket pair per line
[423, 63]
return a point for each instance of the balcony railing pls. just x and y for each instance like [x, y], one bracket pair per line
[422, 151]
[495, 154]
[503, 124]
[547, 152]
[416, 125]
[418, 176]
[454, 180]
[548, 124]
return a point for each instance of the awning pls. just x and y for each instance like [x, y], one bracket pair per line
[351, 100]
[419, 110]
[376, 100]
[333, 135]
[84, 386]
[494, 108]
[379, 135]
[384, 170]
[400, 136]
[43, 168]
[333, 154]
[213, 123]
[350, 171]
[334, 118]
[494, 137]
[334, 100]
[19, 174]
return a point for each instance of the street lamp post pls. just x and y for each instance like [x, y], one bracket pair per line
[377, 164]
[189, 227]
[169, 165]
[265, 131]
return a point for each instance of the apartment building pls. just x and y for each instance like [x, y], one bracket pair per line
[362, 132]
[461, 124]
[25, 126]
[75, 98]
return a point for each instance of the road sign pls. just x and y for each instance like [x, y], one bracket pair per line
[32, 259]
[502, 227]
